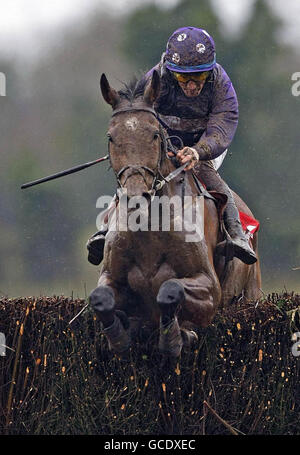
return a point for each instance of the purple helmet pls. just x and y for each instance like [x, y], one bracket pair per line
[189, 50]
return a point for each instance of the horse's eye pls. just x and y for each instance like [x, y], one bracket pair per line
[109, 137]
[156, 136]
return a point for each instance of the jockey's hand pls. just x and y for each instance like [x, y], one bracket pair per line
[187, 154]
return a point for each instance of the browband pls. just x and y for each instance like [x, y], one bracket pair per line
[131, 109]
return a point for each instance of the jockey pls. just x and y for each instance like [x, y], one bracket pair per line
[197, 103]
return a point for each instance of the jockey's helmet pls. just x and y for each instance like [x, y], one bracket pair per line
[190, 49]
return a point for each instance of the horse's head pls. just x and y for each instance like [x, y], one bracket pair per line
[135, 136]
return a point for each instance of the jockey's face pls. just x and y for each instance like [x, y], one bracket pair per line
[191, 83]
[191, 88]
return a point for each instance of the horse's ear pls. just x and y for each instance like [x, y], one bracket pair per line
[109, 94]
[152, 88]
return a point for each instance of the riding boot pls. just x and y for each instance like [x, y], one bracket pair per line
[240, 246]
[95, 246]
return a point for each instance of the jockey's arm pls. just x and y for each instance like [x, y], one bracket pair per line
[221, 126]
[223, 120]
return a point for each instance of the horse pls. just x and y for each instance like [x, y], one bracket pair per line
[156, 278]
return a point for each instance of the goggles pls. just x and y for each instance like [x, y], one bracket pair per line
[185, 77]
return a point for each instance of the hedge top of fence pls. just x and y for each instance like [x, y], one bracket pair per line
[58, 378]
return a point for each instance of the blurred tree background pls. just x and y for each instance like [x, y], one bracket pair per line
[53, 117]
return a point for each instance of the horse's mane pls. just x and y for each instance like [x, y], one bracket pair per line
[134, 89]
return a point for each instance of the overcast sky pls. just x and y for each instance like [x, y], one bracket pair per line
[24, 22]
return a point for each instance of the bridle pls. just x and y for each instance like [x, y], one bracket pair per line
[141, 169]
[165, 146]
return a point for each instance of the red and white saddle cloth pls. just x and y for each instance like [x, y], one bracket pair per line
[249, 224]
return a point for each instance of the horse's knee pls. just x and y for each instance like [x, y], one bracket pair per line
[103, 303]
[114, 321]
[170, 295]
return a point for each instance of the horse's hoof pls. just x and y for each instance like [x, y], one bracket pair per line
[170, 295]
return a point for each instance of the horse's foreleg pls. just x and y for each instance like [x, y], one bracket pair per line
[202, 298]
[172, 300]
[253, 291]
[170, 296]
[114, 322]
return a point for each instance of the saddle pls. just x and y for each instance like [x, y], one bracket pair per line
[249, 224]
